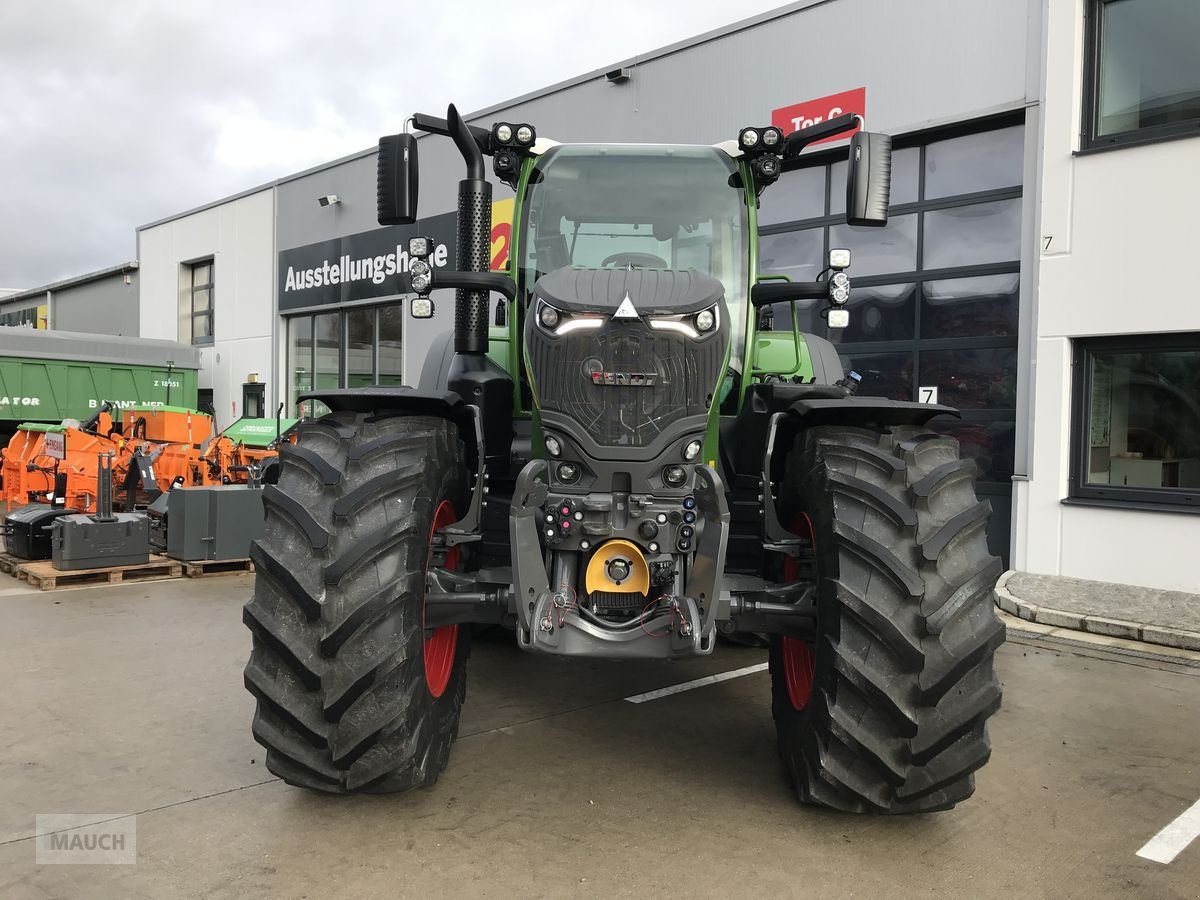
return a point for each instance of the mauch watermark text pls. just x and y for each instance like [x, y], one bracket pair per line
[86, 838]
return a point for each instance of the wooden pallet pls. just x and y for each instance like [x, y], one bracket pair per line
[42, 574]
[199, 568]
[9, 563]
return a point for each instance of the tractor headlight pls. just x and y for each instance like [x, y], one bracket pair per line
[692, 450]
[705, 320]
[749, 138]
[568, 473]
[674, 476]
[524, 135]
[420, 275]
[771, 136]
[553, 447]
[504, 132]
[839, 288]
[548, 316]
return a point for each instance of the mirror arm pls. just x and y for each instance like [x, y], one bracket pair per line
[798, 140]
[765, 293]
[473, 281]
[434, 125]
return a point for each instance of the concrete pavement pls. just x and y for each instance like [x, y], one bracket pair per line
[128, 699]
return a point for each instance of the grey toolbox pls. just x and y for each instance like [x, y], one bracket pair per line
[217, 522]
[103, 540]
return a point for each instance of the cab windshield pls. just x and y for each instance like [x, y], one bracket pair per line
[647, 206]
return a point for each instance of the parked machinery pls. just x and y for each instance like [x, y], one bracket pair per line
[152, 447]
[634, 464]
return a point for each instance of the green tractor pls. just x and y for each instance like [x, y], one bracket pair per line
[629, 463]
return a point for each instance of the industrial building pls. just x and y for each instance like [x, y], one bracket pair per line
[1019, 279]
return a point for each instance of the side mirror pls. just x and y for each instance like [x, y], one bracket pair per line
[396, 180]
[869, 179]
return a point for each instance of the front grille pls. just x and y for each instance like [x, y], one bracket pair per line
[684, 372]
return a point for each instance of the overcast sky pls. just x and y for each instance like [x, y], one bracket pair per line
[114, 113]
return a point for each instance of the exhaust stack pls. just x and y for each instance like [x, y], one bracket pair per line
[474, 240]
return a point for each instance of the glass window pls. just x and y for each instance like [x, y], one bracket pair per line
[883, 374]
[1142, 418]
[1147, 70]
[973, 235]
[797, 254]
[989, 444]
[879, 251]
[391, 333]
[327, 346]
[360, 347]
[196, 303]
[906, 167]
[972, 379]
[299, 356]
[970, 307]
[796, 195]
[617, 205]
[882, 313]
[986, 161]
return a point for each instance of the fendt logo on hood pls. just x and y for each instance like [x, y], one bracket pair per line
[625, 379]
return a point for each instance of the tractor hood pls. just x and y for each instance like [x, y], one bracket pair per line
[651, 291]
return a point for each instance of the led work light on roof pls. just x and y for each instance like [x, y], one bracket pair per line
[839, 258]
[748, 138]
[525, 135]
[419, 247]
[503, 132]
[772, 137]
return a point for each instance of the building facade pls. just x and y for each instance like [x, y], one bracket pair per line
[103, 302]
[1014, 244]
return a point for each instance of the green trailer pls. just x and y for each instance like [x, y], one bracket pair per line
[49, 376]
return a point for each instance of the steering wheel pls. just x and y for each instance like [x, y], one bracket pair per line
[637, 260]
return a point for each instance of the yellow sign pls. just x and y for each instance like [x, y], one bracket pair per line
[502, 214]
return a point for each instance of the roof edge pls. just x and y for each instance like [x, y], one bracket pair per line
[75, 281]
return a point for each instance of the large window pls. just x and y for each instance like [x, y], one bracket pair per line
[198, 302]
[934, 305]
[1137, 421]
[344, 348]
[1142, 80]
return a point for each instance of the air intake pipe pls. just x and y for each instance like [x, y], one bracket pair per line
[474, 240]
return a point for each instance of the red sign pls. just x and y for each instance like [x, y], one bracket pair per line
[811, 112]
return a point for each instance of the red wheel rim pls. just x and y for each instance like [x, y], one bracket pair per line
[799, 664]
[440, 646]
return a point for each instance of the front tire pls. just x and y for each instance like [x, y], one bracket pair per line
[352, 694]
[885, 710]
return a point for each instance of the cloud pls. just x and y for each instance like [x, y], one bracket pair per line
[115, 114]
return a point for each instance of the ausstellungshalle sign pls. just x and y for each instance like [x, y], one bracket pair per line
[359, 266]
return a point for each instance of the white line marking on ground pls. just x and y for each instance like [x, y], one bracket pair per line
[1170, 842]
[692, 685]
